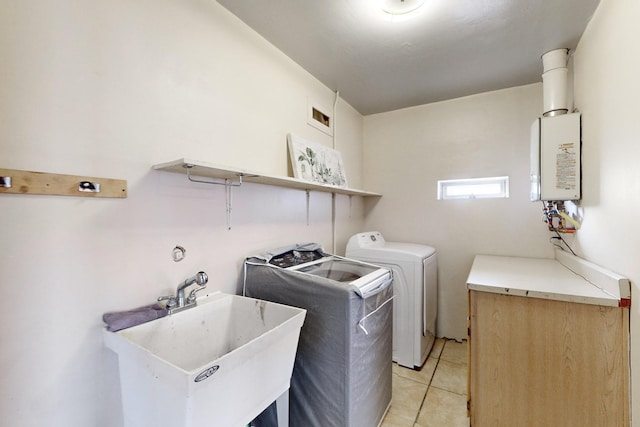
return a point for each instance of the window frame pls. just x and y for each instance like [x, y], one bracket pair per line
[444, 185]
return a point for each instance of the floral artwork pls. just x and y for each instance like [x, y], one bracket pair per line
[315, 162]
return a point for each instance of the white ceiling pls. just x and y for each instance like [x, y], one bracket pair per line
[451, 48]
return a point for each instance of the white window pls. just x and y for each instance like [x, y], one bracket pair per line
[474, 188]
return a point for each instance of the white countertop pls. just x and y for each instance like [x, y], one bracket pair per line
[540, 278]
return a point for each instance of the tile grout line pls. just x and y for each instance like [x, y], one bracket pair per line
[429, 380]
[448, 391]
[424, 398]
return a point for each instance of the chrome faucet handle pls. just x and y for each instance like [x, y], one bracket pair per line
[192, 294]
[171, 300]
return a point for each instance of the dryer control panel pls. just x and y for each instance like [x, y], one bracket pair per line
[367, 239]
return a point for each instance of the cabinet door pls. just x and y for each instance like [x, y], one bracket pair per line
[537, 362]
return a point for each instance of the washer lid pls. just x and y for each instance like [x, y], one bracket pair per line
[337, 270]
[365, 278]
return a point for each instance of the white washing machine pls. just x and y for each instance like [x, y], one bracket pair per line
[415, 288]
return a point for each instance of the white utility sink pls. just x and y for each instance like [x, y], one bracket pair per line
[218, 364]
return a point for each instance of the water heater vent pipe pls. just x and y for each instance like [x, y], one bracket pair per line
[554, 80]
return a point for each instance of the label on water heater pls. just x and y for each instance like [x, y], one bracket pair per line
[559, 157]
[567, 166]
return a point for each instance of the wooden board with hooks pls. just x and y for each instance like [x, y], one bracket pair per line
[14, 181]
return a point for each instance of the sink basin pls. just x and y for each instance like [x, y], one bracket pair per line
[217, 364]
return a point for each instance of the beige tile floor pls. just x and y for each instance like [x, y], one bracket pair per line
[434, 396]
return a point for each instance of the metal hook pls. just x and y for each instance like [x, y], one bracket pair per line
[89, 187]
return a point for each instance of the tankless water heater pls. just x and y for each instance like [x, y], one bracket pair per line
[555, 158]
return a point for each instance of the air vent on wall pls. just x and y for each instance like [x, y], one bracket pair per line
[319, 117]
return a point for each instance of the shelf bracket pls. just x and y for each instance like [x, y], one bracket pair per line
[308, 204]
[229, 202]
[226, 183]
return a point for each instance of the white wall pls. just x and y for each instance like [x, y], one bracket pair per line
[407, 151]
[108, 89]
[607, 90]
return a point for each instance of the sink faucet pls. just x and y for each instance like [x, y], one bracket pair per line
[201, 279]
[179, 302]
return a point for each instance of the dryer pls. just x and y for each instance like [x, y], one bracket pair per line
[415, 287]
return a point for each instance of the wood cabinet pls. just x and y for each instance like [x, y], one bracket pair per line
[536, 361]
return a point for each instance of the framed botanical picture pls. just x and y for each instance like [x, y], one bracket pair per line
[315, 162]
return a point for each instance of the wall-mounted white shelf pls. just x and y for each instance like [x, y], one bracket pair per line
[209, 170]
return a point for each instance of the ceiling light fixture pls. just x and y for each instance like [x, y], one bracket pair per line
[401, 7]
